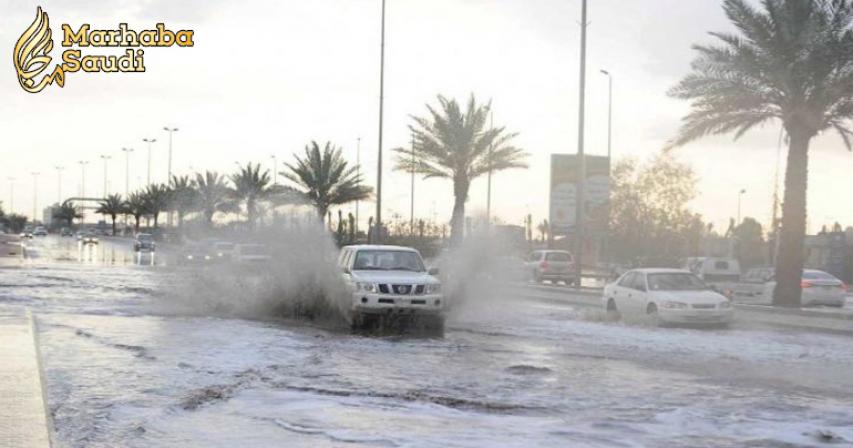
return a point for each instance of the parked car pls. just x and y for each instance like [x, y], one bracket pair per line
[65, 231]
[390, 280]
[39, 231]
[553, 265]
[667, 296]
[250, 253]
[144, 242]
[819, 287]
[723, 274]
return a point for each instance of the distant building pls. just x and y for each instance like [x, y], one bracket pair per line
[831, 252]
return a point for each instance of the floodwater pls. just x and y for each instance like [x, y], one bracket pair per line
[124, 370]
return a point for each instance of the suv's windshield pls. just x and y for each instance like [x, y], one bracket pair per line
[388, 260]
[675, 281]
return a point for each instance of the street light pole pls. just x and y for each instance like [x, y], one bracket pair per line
[489, 177]
[378, 223]
[412, 213]
[274, 170]
[739, 196]
[106, 159]
[609, 111]
[35, 195]
[148, 176]
[170, 131]
[580, 200]
[358, 178]
[59, 184]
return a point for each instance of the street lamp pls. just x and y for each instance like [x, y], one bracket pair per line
[580, 202]
[170, 131]
[59, 183]
[378, 224]
[357, 177]
[274, 170]
[609, 110]
[106, 159]
[148, 176]
[739, 196]
[35, 195]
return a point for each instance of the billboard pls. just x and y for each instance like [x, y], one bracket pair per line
[563, 195]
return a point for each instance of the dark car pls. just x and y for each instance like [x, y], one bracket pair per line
[194, 254]
[65, 231]
[144, 243]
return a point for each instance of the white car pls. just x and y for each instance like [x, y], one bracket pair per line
[667, 296]
[390, 280]
[39, 231]
[819, 287]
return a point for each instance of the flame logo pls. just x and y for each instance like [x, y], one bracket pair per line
[31, 56]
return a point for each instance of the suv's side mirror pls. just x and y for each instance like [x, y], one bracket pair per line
[433, 271]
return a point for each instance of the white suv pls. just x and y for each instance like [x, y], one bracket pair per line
[390, 280]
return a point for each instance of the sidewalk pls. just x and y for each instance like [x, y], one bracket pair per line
[23, 408]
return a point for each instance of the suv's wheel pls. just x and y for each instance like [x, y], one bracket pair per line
[652, 313]
[612, 311]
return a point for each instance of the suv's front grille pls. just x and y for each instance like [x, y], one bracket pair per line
[383, 288]
[402, 289]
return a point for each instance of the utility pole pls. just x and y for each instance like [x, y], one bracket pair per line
[489, 176]
[59, 183]
[580, 205]
[609, 110]
[378, 223]
[358, 178]
[106, 159]
[35, 195]
[412, 214]
[274, 170]
[148, 176]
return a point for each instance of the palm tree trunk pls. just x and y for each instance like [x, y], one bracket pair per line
[137, 219]
[789, 264]
[114, 224]
[457, 222]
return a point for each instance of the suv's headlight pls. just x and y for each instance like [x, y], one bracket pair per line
[674, 305]
[725, 304]
[433, 288]
[366, 287]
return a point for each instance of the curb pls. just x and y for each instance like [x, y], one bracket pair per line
[42, 381]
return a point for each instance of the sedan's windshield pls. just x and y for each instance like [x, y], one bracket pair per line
[675, 281]
[388, 260]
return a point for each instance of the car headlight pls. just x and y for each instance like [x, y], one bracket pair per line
[366, 287]
[725, 304]
[189, 257]
[674, 305]
[433, 288]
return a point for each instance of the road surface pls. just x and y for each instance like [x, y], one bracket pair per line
[135, 357]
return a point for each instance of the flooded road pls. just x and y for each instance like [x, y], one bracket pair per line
[125, 368]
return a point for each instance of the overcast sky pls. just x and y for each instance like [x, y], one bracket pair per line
[267, 76]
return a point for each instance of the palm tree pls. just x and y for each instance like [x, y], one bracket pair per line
[112, 206]
[211, 194]
[182, 197]
[251, 187]
[67, 212]
[326, 178]
[544, 229]
[136, 206]
[790, 61]
[456, 145]
[156, 200]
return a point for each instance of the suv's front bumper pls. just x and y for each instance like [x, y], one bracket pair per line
[379, 303]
